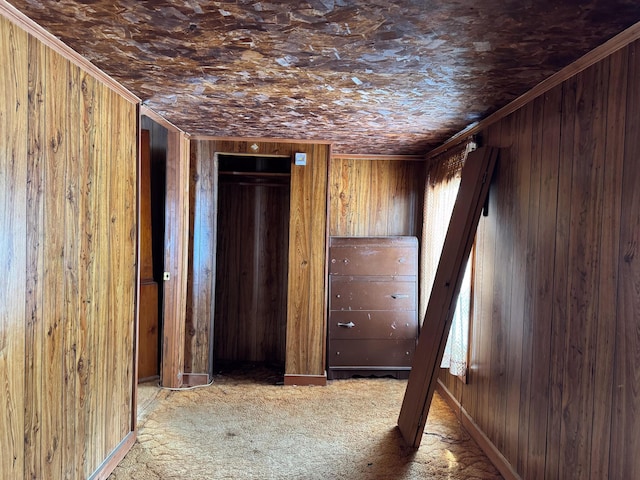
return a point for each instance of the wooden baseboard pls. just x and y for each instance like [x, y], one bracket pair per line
[149, 379]
[112, 461]
[305, 380]
[194, 379]
[490, 450]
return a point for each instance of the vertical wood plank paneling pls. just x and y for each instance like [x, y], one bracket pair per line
[542, 289]
[494, 137]
[348, 197]
[73, 372]
[406, 193]
[208, 216]
[576, 340]
[71, 275]
[375, 197]
[261, 342]
[119, 142]
[88, 276]
[226, 293]
[246, 259]
[500, 310]
[183, 158]
[204, 196]
[617, 69]
[483, 314]
[362, 198]
[271, 302]
[280, 272]
[112, 238]
[529, 153]
[496, 400]
[172, 329]
[100, 292]
[515, 133]
[340, 195]
[318, 278]
[401, 201]
[176, 238]
[561, 276]
[123, 285]
[35, 259]
[56, 131]
[13, 231]
[299, 278]
[379, 204]
[130, 164]
[193, 279]
[625, 462]
[123, 222]
[91, 270]
[210, 219]
[584, 243]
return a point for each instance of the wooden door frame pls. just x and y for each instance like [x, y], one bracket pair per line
[173, 312]
[216, 201]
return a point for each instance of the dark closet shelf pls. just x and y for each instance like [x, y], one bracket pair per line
[255, 174]
[267, 179]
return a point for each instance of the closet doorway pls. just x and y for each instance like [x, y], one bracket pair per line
[251, 260]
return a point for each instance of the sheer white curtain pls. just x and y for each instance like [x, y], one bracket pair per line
[440, 195]
[457, 348]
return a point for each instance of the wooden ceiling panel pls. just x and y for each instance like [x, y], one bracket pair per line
[375, 77]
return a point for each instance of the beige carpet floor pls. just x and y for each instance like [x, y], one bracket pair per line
[249, 426]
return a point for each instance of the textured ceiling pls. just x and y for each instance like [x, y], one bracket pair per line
[377, 77]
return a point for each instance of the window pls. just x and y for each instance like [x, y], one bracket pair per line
[440, 195]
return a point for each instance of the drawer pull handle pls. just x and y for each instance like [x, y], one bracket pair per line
[346, 325]
[399, 295]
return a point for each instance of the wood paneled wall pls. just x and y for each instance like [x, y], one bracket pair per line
[306, 296]
[555, 348]
[375, 197]
[203, 213]
[68, 163]
[176, 258]
[306, 310]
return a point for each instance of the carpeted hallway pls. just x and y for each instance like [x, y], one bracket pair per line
[247, 426]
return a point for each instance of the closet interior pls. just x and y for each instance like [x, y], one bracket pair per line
[252, 260]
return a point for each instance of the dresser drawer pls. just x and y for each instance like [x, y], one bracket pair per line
[381, 324]
[347, 293]
[370, 256]
[371, 353]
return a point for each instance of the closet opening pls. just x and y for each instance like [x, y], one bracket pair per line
[250, 315]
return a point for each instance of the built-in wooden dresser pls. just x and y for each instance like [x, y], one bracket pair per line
[373, 319]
